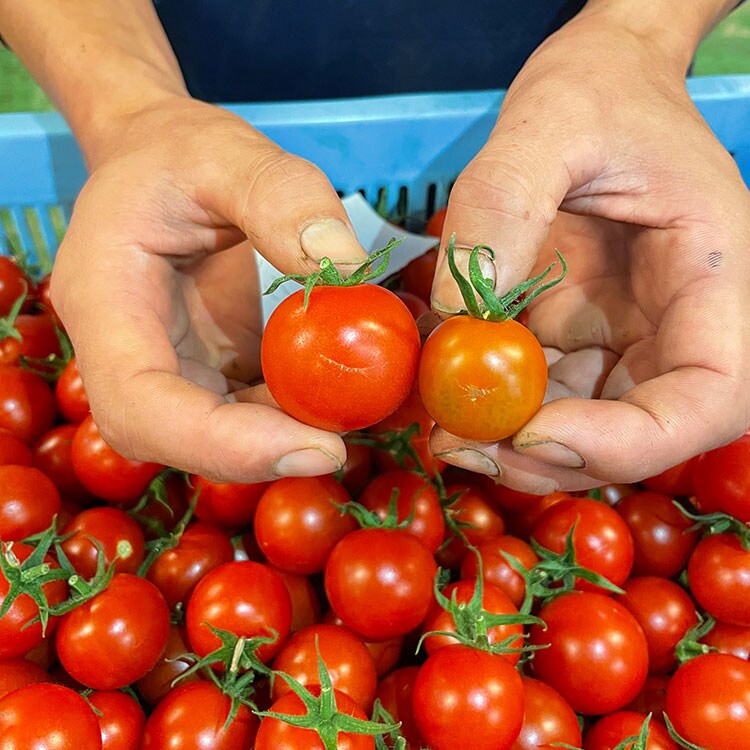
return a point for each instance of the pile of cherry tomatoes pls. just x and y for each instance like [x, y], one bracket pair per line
[399, 603]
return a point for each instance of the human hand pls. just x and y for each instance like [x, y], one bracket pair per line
[158, 289]
[646, 337]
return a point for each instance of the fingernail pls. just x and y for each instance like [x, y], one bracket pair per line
[471, 460]
[553, 453]
[331, 238]
[308, 462]
[446, 296]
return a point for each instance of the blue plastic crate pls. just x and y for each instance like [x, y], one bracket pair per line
[410, 146]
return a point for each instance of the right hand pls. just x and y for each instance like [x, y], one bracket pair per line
[157, 286]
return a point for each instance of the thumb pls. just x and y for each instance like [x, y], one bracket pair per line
[507, 198]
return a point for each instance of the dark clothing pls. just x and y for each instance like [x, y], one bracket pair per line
[261, 50]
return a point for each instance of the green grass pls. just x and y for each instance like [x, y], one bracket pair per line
[726, 50]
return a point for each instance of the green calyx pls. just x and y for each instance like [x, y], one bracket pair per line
[156, 494]
[690, 645]
[717, 523]
[368, 519]
[493, 307]
[50, 367]
[328, 275]
[681, 741]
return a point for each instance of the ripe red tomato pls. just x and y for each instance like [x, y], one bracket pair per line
[28, 502]
[598, 655]
[38, 339]
[496, 569]
[665, 612]
[652, 697]
[305, 600]
[611, 730]
[13, 450]
[47, 716]
[661, 537]
[481, 380]
[17, 673]
[417, 275]
[104, 472]
[275, 734]
[722, 480]
[395, 693]
[118, 534]
[53, 455]
[121, 719]
[708, 701]
[176, 571]
[601, 539]
[677, 481]
[27, 406]
[70, 394]
[156, 683]
[357, 468]
[416, 305]
[346, 658]
[522, 521]
[13, 283]
[17, 637]
[465, 698]
[298, 522]
[229, 505]
[380, 582]
[729, 639]
[416, 498]
[346, 362]
[548, 718]
[436, 222]
[192, 716]
[117, 637]
[246, 598]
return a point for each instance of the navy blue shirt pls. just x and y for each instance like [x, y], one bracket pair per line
[261, 50]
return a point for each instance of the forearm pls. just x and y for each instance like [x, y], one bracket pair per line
[99, 60]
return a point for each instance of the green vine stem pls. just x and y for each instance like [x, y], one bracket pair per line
[681, 741]
[690, 645]
[717, 523]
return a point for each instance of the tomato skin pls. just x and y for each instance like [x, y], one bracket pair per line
[306, 609]
[465, 698]
[121, 721]
[17, 637]
[496, 569]
[13, 283]
[665, 612]
[278, 735]
[116, 637]
[246, 598]
[298, 523]
[176, 571]
[380, 582]
[417, 498]
[104, 472]
[416, 305]
[27, 406]
[115, 530]
[347, 659]
[417, 275]
[355, 473]
[548, 718]
[598, 657]
[719, 578]
[70, 394]
[39, 339]
[156, 683]
[17, 673]
[28, 502]
[652, 697]
[677, 481]
[611, 730]
[662, 541]
[395, 693]
[192, 716]
[346, 362]
[47, 717]
[722, 480]
[436, 223]
[708, 701]
[13, 450]
[601, 539]
[481, 380]
[53, 455]
[729, 639]
[228, 505]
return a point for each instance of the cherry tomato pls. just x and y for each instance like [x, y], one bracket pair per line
[275, 734]
[496, 569]
[229, 505]
[305, 601]
[481, 380]
[598, 655]
[44, 299]
[38, 339]
[346, 362]
[601, 540]
[156, 683]
[652, 697]
[355, 473]
[104, 472]
[521, 522]
[662, 541]
[116, 637]
[13, 450]
[27, 406]
[708, 701]
[719, 578]
[13, 283]
[548, 718]
[380, 582]
[193, 715]
[611, 730]
[417, 275]
[436, 222]
[48, 717]
[28, 502]
[70, 394]
[722, 480]
[729, 639]
[677, 480]
[246, 598]
[17, 673]
[416, 305]
[118, 534]
[416, 498]
[53, 455]
[176, 571]
[121, 720]
[467, 698]
[395, 693]
[299, 522]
